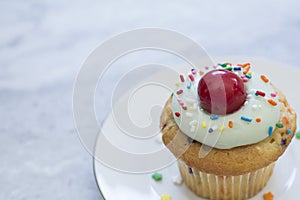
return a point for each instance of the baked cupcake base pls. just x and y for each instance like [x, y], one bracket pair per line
[225, 187]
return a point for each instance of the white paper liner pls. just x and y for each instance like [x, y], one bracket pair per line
[225, 187]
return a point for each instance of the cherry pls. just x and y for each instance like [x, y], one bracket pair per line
[221, 92]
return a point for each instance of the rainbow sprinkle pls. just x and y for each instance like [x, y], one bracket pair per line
[214, 117]
[194, 71]
[246, 119]
[248, 76]
[273, 95]
[157, 176]
[268, 196]
[165, 197]
[181, 78]
[279, 125]
[222, 128]
[237, 68]
[189, 85]
[270, 130]
[230, 124]
[298, 135]
[260, 93]
[210, 130]
[288, 131]
[179, 92]
[191, 77]
[246, 69]
[272, 102]
[177, 114]
[204, 124]
[264, 78]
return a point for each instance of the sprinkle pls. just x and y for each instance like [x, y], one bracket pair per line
[270, 130]
[237, 68]
[188, 114]
[250, 73]
[279, 125]
[246, 119]
[222, 128]
[206, 67]
[255, 107]
[189, 85]
[283, 142]
[298, 135]
[258, 120]
[264, 78]
[177, 84]
[165, 197]
[228, 63]
[223, 65]
[268, 196]
[260, 93]
[157, 176]
[273, 95]
[191, 77]
[243, 65]
[194, 71]
[181, 78]
[190, 170]
[204, 124]
[288, 131]
[285, 121]
[272, 102]
[201, 72]
[194, 122]
[177, 180]
[180, 102]
[248, 76]
[177, 114]
[246, 69]
[245, 80]
[214, 117]
[179, 92]
[229, 68]
[230, 124]
[210, 130]
[184, 107]
[191, 108]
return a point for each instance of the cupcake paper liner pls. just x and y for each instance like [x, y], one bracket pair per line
[215, 187]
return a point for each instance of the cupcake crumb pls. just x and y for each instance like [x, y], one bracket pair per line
[268, 196]
[165, 197]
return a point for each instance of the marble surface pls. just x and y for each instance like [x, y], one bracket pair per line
[43, 43]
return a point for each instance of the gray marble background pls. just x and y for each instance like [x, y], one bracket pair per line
[43, 43]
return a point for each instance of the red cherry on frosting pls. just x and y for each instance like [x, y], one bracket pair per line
[221, 92]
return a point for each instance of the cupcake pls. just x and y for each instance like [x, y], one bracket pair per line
[227, 126]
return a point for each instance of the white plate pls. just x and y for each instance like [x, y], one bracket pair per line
[283, 184]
